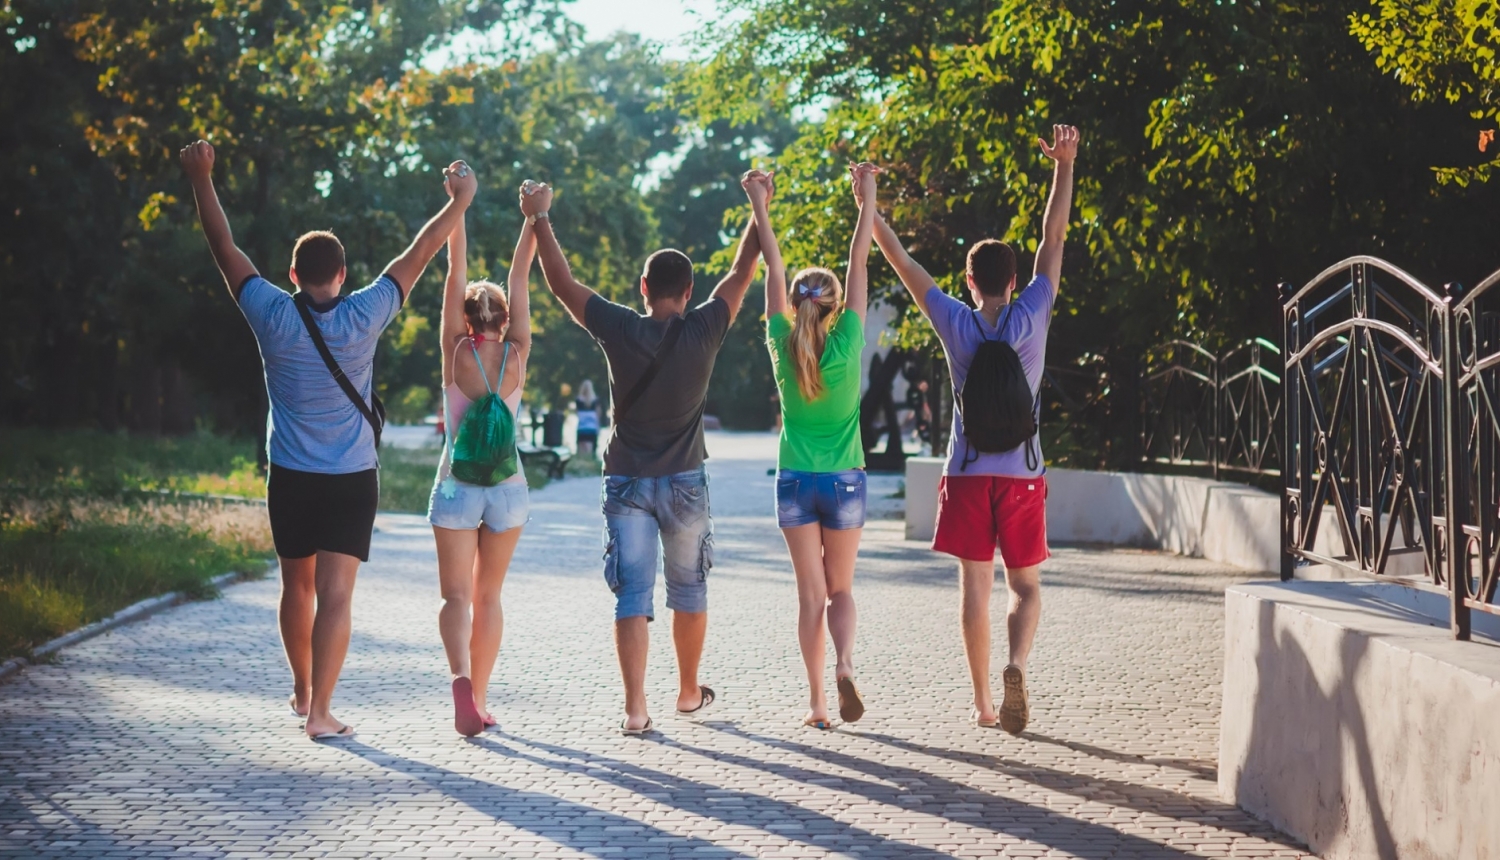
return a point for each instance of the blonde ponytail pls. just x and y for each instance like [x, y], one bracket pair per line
[485, 307]
[815, 295]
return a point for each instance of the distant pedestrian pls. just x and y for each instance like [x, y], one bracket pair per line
[994, 487]
[323, 435]
[587, 406]
[479, 500]
[820, 485]
[655, 486]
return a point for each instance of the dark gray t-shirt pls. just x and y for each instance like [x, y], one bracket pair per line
[663, 433]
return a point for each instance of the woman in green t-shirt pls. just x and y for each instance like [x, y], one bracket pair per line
[820, 486]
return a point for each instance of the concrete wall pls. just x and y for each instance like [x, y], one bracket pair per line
[1354, 722]
[1218, 520]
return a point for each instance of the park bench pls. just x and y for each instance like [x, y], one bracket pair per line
[554, 458]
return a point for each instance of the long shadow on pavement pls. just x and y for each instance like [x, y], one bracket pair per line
[1043, 825]
[758, 811]
[535, 812]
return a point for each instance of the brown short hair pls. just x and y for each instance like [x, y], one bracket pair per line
[317, 258]
[991, 266]
[668, 274]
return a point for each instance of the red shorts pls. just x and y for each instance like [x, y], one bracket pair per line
[977, 513]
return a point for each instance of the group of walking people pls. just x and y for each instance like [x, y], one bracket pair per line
[324, 427]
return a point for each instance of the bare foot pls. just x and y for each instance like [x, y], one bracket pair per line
[299, 709]
[635, 722]
[327, 725]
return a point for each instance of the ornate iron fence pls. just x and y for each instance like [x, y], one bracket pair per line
[1392, 431]
[1212, 411]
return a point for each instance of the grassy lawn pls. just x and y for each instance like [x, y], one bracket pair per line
[85, 529]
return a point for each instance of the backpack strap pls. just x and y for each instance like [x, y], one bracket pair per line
[668, 340]
[376, 422]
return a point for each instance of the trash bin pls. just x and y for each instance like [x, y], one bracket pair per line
[552, 429]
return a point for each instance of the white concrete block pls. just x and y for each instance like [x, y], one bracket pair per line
[1094, 507]
[922, 477]
[1354, 722]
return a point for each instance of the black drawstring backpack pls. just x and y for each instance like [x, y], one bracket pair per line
[996, 402]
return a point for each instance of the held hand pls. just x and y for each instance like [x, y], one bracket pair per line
[862, 179]
[198, 159]
[1064, 148]
[460, 182]
[758, 185]
[536, 198]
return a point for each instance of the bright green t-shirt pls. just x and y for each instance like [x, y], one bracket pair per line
[821, 435]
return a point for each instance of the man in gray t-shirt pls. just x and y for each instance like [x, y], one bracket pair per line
[323, 485]
[655, 487]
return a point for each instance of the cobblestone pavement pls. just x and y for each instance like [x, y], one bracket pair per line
[171, 738]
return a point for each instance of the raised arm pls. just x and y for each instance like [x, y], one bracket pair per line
[912, 275]
[453, 325]
[1063, 151]
[857, 279]
[234, 265]
[733, 286]
[536, 205]
[759, 187]
[519, 290]
[407, 268]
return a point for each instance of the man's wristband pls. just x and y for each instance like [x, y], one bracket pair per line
[540, 216]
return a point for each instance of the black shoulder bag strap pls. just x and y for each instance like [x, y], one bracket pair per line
[668, 340]
[375, 416]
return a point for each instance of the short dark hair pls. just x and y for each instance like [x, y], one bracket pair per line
[317, 258]
[668, 274]
[991, 265]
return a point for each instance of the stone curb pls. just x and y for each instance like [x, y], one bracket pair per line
[134, 612]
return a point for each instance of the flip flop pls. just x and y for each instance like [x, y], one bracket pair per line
[291, 705]
[825, 725]
[466, 718]
[983, 724]
[708, 699]
[851, 706]
[342, 734]
[648, 727]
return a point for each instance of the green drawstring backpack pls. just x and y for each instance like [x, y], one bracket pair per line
[484, 449]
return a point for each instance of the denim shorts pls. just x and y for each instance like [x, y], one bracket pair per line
[834, 499]
[642, 514]
[456, 505]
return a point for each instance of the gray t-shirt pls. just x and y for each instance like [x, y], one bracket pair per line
[663, 432]
[313, 427]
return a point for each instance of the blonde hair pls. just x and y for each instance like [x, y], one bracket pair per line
[586, 391]
[815, 294]
[485, 307]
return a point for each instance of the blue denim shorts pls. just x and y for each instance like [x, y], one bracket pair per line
[456, 505]
[642, 514]
[834, 499]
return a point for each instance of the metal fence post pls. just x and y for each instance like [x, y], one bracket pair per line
[1291, 447]
[1454, 497]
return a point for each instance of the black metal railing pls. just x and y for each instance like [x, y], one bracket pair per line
[1392, 440]
[1217, 412]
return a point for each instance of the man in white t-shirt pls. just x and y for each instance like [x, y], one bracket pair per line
[997, 499]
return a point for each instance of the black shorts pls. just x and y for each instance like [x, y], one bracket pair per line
[311, 512]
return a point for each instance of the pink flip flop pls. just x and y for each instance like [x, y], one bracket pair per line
[466, 718]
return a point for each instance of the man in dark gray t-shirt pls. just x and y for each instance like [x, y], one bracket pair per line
[655, 487]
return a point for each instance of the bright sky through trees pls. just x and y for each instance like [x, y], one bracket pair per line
[665, 21]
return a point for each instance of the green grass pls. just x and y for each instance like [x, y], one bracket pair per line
[35, 462]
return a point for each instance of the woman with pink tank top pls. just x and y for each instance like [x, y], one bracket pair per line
[486, 339]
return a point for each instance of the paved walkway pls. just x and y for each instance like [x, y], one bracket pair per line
[170, 738]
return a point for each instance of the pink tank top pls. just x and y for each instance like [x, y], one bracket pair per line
[456, 405]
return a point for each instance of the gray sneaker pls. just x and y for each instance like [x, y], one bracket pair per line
[1015, 710]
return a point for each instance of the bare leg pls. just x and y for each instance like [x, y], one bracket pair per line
[977, 581]
[495, 551]
[840, 550]
[632, 642]
[456, 551]
[299, 600]
[689, 629]
[330, 635]
[1023, 612]
[805, 545]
